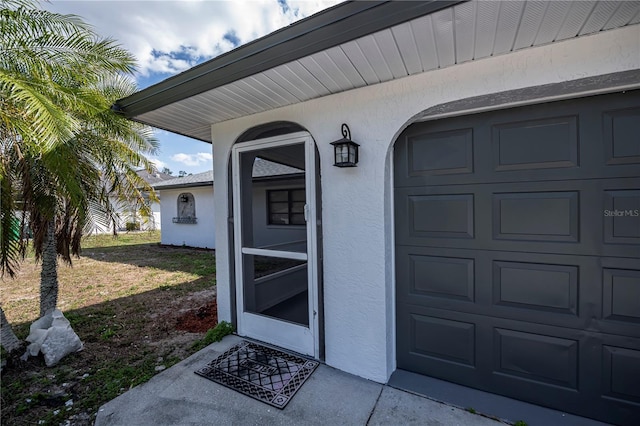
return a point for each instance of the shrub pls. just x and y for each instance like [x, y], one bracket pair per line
[132, 226]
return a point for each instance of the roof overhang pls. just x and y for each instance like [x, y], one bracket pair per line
[360, 43]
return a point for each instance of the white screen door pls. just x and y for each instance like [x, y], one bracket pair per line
[274, 182]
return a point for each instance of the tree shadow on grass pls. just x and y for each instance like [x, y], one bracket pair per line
[126, 340]
[170, 258]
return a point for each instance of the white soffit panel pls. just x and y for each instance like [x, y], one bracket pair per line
[532, 16]
[406, 43]
[508, 23]
[486, 26]
[576, 17]
[445, 40]
[554, 17]
[467, 31]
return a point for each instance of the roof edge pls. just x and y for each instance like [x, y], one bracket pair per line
[329, 28]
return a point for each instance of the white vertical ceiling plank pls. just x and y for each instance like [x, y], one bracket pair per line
[264, 93]
[486, 25]
[407, 46]
[444, 36]
[371, 51]
[203, 110]
[274, 89]
[390, 53]
[174, 118]
[194, 114]
[600, 15]
[247, 92]
[576, 17]
[283, 76]
[425, 42]
[508, 22]
[311, 84]
[344, 64]
[231, 95]
[209, 104]
[317, 65]
[214, 97]
[189, 115]
[357, 57]
[532, 16]
[465, 29]
[552, 22]
[624, 15]
[202, 133]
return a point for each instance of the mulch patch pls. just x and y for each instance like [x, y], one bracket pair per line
[199, 320]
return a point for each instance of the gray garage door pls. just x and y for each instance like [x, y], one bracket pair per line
[518, 253]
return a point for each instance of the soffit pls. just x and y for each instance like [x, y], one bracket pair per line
[465, 32]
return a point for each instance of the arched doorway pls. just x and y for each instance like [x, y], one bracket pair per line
[275, 201]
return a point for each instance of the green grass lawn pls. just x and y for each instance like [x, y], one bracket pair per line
[123, 297]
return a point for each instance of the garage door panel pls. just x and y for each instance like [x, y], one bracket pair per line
[539, 286]
[441, 277]
[621, 299]
[536, 288]
[456, 339]
[536, 358]
[438, 344]
[622, 216]
[441, 216]
[535, 144]
[621, 131]
[621, 374]
[591, 217]
[536, 216]
[516, 143]
[440, 153]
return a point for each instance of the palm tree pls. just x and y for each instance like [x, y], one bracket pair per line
[63, 153]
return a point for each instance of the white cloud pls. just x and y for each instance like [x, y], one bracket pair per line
[158, 163]
[172, 36]
[193, 159]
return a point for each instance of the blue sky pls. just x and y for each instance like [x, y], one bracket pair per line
[168, 37]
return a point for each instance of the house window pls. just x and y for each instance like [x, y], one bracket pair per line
[186, 209]
[286, 206]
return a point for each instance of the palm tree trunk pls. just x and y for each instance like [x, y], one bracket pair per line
[49, 273]
[8, 338]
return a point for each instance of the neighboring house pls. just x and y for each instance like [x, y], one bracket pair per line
[128, 216]
[489, 235]
[188, 212]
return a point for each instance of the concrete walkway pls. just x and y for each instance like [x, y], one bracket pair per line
[177, 396]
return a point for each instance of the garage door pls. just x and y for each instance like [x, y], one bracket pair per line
[518, 253]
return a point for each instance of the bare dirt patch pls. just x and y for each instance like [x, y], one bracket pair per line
[125, 301]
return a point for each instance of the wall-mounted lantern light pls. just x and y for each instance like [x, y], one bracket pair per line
[345, 150]
[184, 198]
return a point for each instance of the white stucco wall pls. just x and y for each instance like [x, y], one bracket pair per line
[201, 234]
[358, 218]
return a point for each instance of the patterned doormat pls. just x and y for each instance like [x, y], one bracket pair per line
[263, 373]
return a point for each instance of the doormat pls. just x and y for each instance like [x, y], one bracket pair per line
[263, 373]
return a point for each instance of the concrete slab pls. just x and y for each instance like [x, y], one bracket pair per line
[177, 396]
[396, 407]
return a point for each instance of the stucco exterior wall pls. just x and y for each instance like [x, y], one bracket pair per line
[201, 234]
[357, 203]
